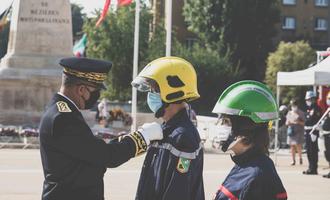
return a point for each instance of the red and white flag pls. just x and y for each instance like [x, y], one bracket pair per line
[104, 12]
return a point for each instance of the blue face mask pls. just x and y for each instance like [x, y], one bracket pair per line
[154, 101]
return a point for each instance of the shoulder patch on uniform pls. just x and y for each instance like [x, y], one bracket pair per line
[183, 165]
[63, 106]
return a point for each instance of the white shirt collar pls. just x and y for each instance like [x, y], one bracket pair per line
[68, 99]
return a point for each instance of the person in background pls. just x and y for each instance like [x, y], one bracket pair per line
[283, 111]
[313, 115]
[282, 131]
[295, 120]
[246, 108]
[104, 114]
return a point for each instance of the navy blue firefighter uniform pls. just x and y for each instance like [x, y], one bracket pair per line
[173, 167]
[252, 178]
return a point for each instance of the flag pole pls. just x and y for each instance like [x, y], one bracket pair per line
[168, 13]
[135, 61]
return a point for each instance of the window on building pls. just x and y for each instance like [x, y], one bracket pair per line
[289, 2]
[289, 23]
[321, 2]
[321, 24]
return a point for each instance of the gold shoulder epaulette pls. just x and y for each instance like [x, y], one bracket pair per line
[63, 107]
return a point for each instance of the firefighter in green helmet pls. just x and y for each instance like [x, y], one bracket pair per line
[245, 109]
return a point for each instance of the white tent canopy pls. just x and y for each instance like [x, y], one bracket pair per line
[317, 75]
[314, 76]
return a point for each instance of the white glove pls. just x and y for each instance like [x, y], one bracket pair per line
[317, 127]
[313, 137]
[151, 131]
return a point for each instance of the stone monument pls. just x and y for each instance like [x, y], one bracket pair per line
[40, 34]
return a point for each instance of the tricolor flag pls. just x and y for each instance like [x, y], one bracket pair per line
[79, 47]
[106, 8]
[124, 2]
[3, 17]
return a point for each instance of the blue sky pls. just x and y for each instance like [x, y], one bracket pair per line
[89, 5]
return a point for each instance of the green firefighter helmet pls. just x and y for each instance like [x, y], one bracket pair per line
[250, 99]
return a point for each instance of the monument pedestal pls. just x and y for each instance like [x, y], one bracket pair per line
[23, 100]
[40, 34]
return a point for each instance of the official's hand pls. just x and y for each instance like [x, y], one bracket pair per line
[151, 131]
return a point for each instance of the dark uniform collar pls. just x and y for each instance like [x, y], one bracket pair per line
[177, 118]
[246, 157]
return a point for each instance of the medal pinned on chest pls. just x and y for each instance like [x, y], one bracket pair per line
[183, 165]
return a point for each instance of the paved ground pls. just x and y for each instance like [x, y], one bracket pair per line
[21, 177]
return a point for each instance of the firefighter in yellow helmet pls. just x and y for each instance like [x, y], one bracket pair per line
[173, 166]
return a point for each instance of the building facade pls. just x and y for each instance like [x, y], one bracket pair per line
[305, 20]
[300, 20]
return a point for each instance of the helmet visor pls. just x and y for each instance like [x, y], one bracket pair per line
[141, 84]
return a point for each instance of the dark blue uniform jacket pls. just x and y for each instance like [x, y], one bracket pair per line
[73, 160]
[254, 177]
[173, 167]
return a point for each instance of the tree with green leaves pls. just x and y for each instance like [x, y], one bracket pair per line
[114, 40]
[244, 29]
[289, 57]
[214, 73]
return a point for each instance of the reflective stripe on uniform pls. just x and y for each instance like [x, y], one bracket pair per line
[307, 128]
[230, 195]
[177, 152]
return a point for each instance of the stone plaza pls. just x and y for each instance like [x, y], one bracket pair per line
[21, 176]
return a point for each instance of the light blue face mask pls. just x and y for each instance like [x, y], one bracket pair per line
[154, 101]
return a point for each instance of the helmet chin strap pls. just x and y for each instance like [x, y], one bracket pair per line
[231, 142]
[161, 111]
[236, 141]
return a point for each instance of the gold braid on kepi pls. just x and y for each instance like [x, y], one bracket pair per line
[91, 70]
[89, 76]
[140, 143]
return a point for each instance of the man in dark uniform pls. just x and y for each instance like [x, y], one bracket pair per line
[173, 167]
[74, 161]
[313, 114]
